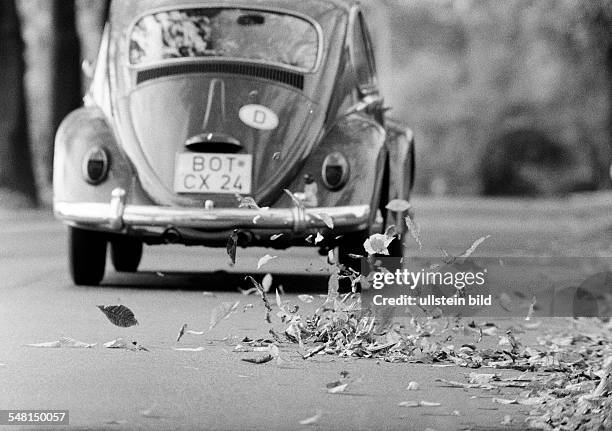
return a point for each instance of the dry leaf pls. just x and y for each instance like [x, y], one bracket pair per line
[306, 298]
[53, 344]
[220, 312]
[247, 202]
[413, 386]
[189, 349]
[118, 343]
[474, 246]
[312, 420]
[429, 404]
[298, 203]
[259, 360]
[266, 282]
[265, 259]
[319, 238]
[232, 245]
[275, 237]
[247, 292]
[398, 205]
[119, 315]
[256, 218]
[409, 404]
[504, 401]
[413, 228]
[325, 218]
[192, 332]
[151, 413]
[531, 311]
[181, 332]
[276, 156]
[336, 389]
[377, 244]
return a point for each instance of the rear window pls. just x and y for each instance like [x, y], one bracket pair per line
[224, 33]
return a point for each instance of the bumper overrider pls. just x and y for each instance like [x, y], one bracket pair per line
[117, 215]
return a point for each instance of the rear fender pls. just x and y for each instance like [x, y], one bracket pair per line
[362, 142]
[401, 163]
[82, 130]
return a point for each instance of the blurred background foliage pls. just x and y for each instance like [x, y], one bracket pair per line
[505, 96]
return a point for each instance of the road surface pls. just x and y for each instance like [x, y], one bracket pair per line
[212, 388]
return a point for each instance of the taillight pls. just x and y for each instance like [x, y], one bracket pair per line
[335, 171]
[95, 165]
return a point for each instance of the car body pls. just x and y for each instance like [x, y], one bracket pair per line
[213, 120]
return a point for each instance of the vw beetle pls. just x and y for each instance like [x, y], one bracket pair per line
[210, 120]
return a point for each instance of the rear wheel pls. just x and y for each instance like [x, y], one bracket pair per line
[126, 253]
[87, 256]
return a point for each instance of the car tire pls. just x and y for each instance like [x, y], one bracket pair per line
[126, 253]
[87, 256]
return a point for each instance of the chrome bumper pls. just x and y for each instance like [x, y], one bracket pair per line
[116, 215]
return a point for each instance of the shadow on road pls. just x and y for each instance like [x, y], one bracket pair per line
[218, 281]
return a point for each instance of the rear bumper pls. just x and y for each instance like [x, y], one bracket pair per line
[116, 216]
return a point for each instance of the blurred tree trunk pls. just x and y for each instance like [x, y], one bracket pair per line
[16, 173]
[66, 70]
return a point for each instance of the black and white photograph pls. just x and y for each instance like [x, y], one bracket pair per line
[306, 215]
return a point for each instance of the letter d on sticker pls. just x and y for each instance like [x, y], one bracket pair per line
[258, 117]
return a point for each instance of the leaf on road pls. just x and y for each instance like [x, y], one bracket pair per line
[306, 298]
[313, 419]
[192, 332]
[471, 249]
[152, 413]
[71, 342]
[256, 218]
[398, 205]
[275, 237]
[259, 359]
[232, 245]
[531, 311]
[319, 238]
[419, 404]
[119, 315]
[220, 312]
[247, 292]
[276, 156]
[266, 282]
[181, 332]
[413, 386]
[118, 343]
[337, 388]
[63, 342]
[54, 344]
[189, 349]
[504, 401]
[263, 296]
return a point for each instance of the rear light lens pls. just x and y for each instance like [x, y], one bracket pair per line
[95, 165]
[335, 171]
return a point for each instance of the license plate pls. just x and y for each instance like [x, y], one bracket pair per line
[212, 173]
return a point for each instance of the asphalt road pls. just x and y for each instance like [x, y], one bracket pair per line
[212, 388]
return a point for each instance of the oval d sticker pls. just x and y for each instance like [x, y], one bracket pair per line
[258, 117]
